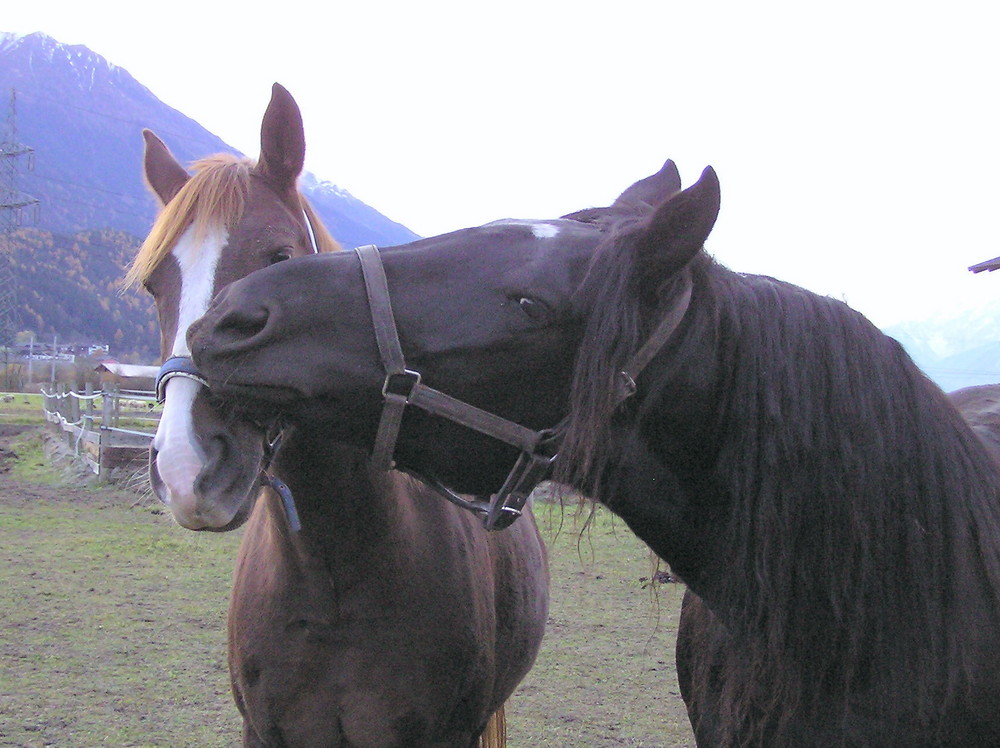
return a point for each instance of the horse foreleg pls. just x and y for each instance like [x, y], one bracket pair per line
[250, 739]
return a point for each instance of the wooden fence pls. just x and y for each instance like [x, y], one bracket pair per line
[109, 429]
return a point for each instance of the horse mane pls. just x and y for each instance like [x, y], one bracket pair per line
[860, 504]
[214, 195]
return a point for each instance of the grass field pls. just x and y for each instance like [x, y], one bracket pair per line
[20, 408]
[113, 627]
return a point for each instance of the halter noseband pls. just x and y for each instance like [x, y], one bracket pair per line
[176, 366]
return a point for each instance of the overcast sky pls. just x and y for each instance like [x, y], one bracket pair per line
[858, 142]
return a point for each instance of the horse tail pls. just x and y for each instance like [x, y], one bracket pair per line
[495, 734]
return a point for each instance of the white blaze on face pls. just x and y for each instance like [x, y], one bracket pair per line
[539, 229]
[544, 230]
[179, 458]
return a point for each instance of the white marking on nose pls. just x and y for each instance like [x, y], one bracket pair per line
[180, 459]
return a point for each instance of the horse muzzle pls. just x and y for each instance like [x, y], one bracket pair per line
[203, 465]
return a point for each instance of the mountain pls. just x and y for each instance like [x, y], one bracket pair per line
[68, 286]
[956, 350]
[83, 118]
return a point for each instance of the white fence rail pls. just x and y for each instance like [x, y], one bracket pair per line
[109, 429]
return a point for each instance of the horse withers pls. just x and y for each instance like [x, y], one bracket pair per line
[392, 618]
[836, 520]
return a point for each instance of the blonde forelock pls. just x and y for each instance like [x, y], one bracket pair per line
[215, 196]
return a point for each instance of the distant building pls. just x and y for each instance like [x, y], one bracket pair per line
[127, 376]
[41, 351]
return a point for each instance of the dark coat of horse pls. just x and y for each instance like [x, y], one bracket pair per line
[836, 520]
[392, 618]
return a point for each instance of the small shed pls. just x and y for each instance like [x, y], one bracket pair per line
[127, 376]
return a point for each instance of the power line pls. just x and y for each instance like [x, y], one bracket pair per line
[14, 204]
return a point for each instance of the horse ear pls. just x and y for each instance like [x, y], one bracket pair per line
[282, 141]
[652, 190]
[677, 230]
[164, 175]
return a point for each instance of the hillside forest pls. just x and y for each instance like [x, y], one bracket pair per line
[71, 284]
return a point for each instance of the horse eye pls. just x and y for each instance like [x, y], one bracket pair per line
[285, 253]
[533, 308]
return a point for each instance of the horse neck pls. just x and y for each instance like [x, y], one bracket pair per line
[847, 517]
[346, 509]
[781, 419]
[665, 440]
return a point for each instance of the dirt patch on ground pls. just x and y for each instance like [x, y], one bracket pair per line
[66, 478]
[8, 430]
[7, 455]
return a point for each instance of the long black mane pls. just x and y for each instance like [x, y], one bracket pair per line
[860, 507]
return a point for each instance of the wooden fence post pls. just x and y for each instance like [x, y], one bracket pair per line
[106, 410]
[88, 408]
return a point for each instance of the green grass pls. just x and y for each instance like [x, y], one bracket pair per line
[33, 461]
[114, 626]
[605, 675]
[113, 623]
[20, 408]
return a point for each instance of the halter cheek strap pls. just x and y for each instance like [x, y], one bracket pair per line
[659, 337]
[403, 387]
[538, 449]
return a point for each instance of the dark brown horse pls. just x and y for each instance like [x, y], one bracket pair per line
[835, 518]
[392, 618]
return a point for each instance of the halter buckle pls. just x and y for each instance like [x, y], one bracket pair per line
[626, 385]
[507, 504]
[499, 511]
[400, 383]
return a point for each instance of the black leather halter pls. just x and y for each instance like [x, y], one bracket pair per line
[538, 449]
[403, 387]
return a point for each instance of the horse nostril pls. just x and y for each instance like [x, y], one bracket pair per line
[242, 324]
[233, 328]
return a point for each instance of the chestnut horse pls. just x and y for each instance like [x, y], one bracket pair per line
[392, 618]
[835, 518]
